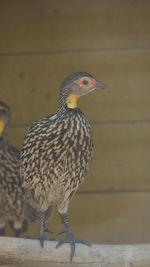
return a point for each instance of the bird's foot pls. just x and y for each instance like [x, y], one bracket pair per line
[72, 241]
[55, 238]
[41, 239]
[42, 235]
[47, 230]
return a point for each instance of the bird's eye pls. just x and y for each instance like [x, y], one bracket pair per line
[85, 82]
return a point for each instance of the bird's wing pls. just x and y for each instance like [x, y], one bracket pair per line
[45, 145]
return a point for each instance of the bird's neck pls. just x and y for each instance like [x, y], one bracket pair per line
[4, 131]
[70, 108]
[2, 126]
[71, 101]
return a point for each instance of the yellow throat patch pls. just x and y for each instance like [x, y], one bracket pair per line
[1, 126]
[72, 101]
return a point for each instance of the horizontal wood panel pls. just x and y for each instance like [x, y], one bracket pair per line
[122, 218]
[121, 157]
[30, 84]
[73, 25]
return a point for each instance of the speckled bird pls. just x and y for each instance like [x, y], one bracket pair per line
[11, 191]
[56, 155]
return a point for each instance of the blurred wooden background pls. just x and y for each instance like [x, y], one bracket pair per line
[43, 41]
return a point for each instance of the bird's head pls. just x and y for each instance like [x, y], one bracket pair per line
[4, 117]
[76, 85]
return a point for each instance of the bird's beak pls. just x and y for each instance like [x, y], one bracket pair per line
[100, 85]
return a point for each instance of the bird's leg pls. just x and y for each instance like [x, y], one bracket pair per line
[18, 227]
[43, 229]
[70, 237]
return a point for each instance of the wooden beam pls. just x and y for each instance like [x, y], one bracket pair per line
[27, 252]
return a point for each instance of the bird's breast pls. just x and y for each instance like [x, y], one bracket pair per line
[62, 150]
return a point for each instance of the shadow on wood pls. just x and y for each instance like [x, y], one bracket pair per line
[27, 252]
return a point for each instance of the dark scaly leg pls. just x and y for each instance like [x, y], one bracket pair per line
[70, 237]
[43, 229]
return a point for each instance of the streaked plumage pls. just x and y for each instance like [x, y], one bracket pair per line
[56, 155]
[11, 192]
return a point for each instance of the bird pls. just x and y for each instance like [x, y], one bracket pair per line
[56, 155]
[11, 191]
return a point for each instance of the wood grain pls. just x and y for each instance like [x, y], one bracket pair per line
[30, 85]
[51, 26]
[30, 254]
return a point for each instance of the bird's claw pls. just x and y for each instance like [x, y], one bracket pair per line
[61, 232]
[46, 230]
[42, 236]
[72, 241]
[55, 238]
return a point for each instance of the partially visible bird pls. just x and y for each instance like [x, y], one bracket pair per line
[56, 155]
[11, 191]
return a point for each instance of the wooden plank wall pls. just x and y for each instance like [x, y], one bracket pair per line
[43, 41]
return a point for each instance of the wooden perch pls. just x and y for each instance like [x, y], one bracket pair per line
[27, 252]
